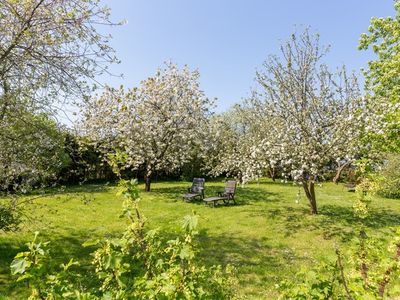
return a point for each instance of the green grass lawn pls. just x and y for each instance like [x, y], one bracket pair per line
[267, 236]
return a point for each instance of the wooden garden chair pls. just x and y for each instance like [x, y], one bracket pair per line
[226, 196]
[196, 190]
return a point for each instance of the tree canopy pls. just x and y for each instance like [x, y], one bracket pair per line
[383, 74]
[50, 51]
[156, 125]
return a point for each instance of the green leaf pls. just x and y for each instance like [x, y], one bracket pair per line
[112, 261]
[90, 243]
[186, 252]
[23, 277]
[18, 266]
[190, 222]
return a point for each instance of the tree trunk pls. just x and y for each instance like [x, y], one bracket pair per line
[147, 182]
[147, 177]
[339, 172]
[272, 174]
[309, 189]
[5, 98]
[240, 178]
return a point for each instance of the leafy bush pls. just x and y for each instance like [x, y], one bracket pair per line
[390, 183]
[10, 217]
[137, 265]
[31, 152]
[86, 161]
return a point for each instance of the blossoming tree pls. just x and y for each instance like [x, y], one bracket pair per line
[50, 52]
[230, 150]
[156, 125]
[318, 116]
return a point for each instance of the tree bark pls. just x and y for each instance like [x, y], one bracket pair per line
[272, 174]
[5, 98]
[240, 177]
[339, 172]
[147, 178]
[309, 189]
[147, 182]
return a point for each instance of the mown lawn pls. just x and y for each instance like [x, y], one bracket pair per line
[267, 236]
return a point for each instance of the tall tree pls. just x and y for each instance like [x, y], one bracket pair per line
[317, 116]
[383, 74]
[155, 125]
[49, 51]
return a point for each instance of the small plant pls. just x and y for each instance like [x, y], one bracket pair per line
[137, 265]
[33, 266]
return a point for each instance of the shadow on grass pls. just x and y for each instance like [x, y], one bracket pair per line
[278, 182]
[333, 221]
[257, 261]
[243, 196]
[72, 190]
[377, 218]
[293, 219]
[339, 217]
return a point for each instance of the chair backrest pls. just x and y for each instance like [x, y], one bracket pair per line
[197, 184]
[230, 187]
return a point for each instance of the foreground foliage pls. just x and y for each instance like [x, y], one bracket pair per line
[138, 265]
[268, 236]
[370, 269]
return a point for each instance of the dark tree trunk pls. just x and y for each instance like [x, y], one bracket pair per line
[309, 189]
[147, 177]
[339, 172]
[272, 174]
[240, 177]
[147, 182]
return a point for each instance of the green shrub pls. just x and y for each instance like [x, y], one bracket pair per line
[10, 217]
[390, 177]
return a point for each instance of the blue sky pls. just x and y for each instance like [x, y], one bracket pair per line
[227, 40]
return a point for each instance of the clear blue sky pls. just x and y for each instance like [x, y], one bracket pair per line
[227, 40]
